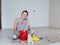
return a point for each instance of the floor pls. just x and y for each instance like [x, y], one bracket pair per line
[51, 35]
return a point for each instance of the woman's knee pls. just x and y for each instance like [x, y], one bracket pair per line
[15, 37]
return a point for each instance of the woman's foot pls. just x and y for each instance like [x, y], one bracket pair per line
[25, 41]
[20, 41]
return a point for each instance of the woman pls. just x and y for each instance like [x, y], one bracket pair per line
[22, 23]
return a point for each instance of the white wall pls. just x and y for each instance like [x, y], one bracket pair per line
[11, 9]
[54, 13]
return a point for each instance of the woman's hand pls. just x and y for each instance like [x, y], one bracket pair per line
[18, 33]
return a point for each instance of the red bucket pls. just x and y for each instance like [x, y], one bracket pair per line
[23, 35]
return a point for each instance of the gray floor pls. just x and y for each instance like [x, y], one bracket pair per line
[51, 35]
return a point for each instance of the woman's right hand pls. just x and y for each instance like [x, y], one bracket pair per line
[18, 33]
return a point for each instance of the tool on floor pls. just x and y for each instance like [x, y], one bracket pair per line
[35, 38]
[41, 38]
[30, 39]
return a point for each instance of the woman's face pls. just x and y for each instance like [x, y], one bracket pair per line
[24, 15]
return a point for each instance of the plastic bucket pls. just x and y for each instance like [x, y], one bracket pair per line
[23, 35]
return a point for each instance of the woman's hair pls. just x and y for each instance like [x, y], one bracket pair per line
[25, 11]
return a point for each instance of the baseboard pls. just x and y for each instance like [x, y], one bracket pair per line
[54, 27]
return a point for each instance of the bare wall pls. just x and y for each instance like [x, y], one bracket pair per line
[38, 12]
[54, 13]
